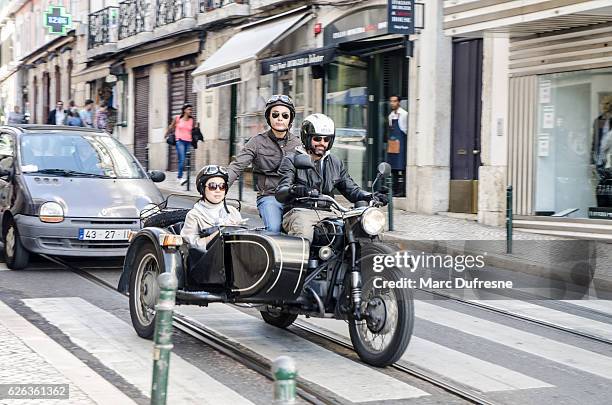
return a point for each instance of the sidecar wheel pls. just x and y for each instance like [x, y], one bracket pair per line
[278, 319]
[144, 291]
[382, 338]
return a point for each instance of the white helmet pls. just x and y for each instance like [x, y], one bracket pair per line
[317, 125]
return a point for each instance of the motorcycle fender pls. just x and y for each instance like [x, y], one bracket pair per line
[170, 258]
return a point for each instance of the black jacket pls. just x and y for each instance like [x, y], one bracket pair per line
[51, 118]
[265, 152]
[330, 174]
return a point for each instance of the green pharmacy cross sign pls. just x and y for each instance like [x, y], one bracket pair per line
[56, 21]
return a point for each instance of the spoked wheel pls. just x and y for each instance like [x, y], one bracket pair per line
[278, 319]
[382, 337]
[144, 291]
[16, 256]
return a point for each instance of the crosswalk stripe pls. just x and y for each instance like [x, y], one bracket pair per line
[604, 306]
[115, 344]
[87, 380]
[314, 363]
[549, 349]
[552, 316]
[451, 364]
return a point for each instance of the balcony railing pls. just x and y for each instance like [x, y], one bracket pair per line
[169, 11]
[207, 5]
[103, 27]
[133, 18]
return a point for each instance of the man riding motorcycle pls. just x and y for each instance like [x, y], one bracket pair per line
[317, 136]
[266, 151]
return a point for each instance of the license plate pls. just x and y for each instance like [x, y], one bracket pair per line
[103, 234]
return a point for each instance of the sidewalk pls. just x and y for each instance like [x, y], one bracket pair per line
[534, 254]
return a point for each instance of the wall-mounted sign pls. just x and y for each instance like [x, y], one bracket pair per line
[400, 16]
[56, 21]
[368, 23]
[223, 78]
[296, 60]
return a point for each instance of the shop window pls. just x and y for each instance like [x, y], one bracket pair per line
[573, 145]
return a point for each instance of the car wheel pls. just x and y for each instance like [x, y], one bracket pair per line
[16, 256]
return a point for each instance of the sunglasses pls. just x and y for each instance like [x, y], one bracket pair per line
[281, 97]
[275, 114]
[214, 186]
[325, 139]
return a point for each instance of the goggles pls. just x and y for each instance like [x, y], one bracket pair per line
[211, 170]
[280, 97]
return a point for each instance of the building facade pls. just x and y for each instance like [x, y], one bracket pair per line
[546, 106]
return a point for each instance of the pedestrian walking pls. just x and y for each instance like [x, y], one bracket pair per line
[266, 151]
[87, 114]
[182, 125]
[58, 115]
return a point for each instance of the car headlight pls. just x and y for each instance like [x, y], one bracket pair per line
[51, 212]
[373, 221]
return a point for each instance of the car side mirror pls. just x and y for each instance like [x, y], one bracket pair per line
[384, 169]
[303, 162]
[157, 176]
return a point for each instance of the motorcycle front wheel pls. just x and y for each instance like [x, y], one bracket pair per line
[382, 337]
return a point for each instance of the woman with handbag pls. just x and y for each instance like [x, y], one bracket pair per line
[181, 128]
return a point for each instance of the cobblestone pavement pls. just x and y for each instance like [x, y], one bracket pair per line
[21, 365]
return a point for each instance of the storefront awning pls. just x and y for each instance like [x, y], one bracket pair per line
[236, 60]
[92, 73]
[318, 56]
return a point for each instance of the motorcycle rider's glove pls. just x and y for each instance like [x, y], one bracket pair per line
[303, 191]
[380, 197]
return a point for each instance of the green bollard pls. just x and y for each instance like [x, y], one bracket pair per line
[284, 373]
[163, 337]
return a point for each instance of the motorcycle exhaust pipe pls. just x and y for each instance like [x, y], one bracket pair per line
[200, 296]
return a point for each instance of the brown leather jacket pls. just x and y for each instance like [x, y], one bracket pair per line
[265, 152]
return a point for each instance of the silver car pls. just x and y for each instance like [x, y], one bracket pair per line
[69, 191]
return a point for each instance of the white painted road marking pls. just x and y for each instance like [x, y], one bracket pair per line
[115, 344]
[451, 364]
[549, 349]
[314, 363]
[83, 377]
[604, 306]
[552, 316]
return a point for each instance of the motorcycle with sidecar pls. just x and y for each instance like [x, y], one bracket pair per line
[284, 276]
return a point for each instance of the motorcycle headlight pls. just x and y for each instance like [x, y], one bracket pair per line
[51, 212]
[373, 221]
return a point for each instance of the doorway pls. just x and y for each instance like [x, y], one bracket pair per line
[466, 111]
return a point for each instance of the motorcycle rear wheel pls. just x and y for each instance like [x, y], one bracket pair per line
[144, 291]
[380, 340]
[278, 319]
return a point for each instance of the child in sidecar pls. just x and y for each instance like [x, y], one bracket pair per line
[211, 210]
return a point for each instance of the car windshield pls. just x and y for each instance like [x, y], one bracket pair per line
[78, 155]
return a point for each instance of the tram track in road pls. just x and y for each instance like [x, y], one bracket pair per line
[513, 315]
[306, 391]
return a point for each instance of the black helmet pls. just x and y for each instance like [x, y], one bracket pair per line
[280, 99]
[208, 172]
[317, 125]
